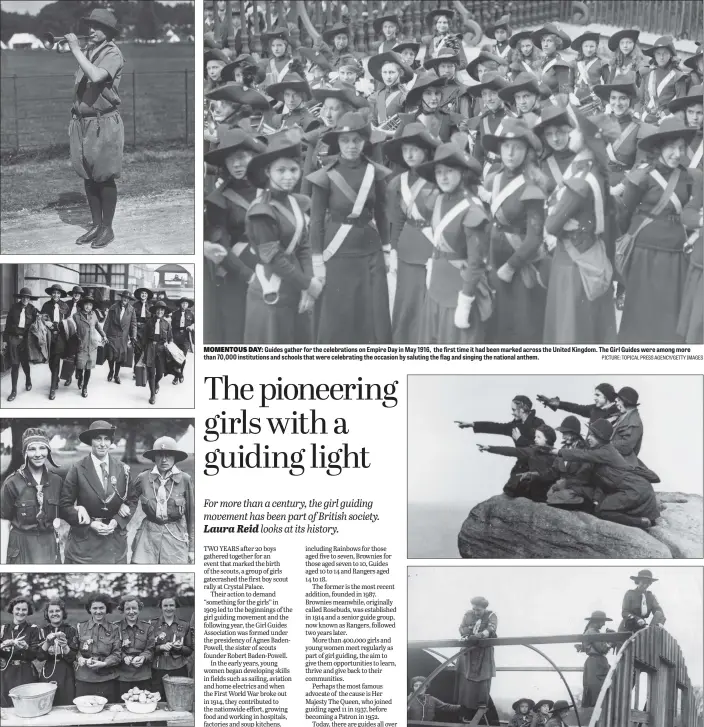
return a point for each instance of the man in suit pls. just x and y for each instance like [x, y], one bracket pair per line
[639, 603]
[96, 502]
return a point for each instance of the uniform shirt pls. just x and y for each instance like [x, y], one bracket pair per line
[167, 633]
[101, 97]
[100, 641]
[554, 72]
[596, 71]
[655, 100]
[29, 632]
[386, 103]
[135, 640]
[413, 248]
[19, 501]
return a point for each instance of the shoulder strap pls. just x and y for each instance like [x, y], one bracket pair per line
[611, 149]
[598, 202]
[359, 199]
[696, 159]
[410, 194]
[236, 198]
[499, 195]
[440, 223]
[555, 169]
[669, 192]
[296, 220]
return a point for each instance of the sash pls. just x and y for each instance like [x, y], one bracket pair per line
[440, 45]
[359, 202]
[439, 224]
[491, 156]
[555, 169]
[409, 196]
[499, 195]
[547, 67]
[278, 75]
[696, 159]
[504, 53]
[611, 149]
[236, 198]
[383, 109]
[669, 187]
[583, 69]
[528, 68]
[655, 93]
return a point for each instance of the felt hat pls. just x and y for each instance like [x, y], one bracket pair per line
[342, 91]
[480, 601]
[607, 390]
[552, 116]
[377, 62]
[644, 575]
[598, 130]
[237, 93]
[190, 301]
[524, 400]
[491, 79]
[77, 289]
[85, 299]
[516, 38]
[337, 29]
[379, 22]
[451, 155]
[350, 62]
[278, 33]
[97, 429]
[522, 82]
[55, 288]
[35, 435]
[539, 704]
[165, 445]
[601, 429]
[407, 45]
[615, 39]
[523, 700]
[215, 54]
[560, 705]
[482, 57]
[503, 22]
[293, 82]
[103, 18]
[664, 41]
[316, 58]
[691, 62]
[415, 133]
[670, 128]
[124, 294]
[431, 17]
[512, 129]
[603, 90]
[26, 293]
[598, 616]
[571, 425]
[628, 395]
[445, 55]
[587, 35]
[694, 96]
[285, 143]
[158, 305]
[548, 432]
[139, 291]
[425, 79]
[243, 60]
[550, 29]
[351, 121]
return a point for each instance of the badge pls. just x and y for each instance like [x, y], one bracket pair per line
[161, 636]
[87, 643]
[126, 642]
[113, 480]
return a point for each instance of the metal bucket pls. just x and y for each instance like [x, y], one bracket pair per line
[34, 699]
[180, 693]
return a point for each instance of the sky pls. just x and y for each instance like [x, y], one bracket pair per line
[543, 601]
[34, 6]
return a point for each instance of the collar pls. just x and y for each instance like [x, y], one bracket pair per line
[173, 471]
[128, 625]
[26, 475]
[100, 624]
[98, 48]
[562, 154]
[97, 463]
[624, 119]
[279, 195]
[162, 620]
[351, 163]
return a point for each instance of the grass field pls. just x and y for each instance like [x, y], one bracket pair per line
[157, 93]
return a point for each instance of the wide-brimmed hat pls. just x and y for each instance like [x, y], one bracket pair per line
[570, 424]
[239, 94]
[280, 33]
[560, 705]
[480, 601]
[539, 704]
[445, 55]
[603, 90]
[523, 700]
[482, 57]
[139, 291]
[77, 289]
[34, 435]
[285, 143]
[415, 133]
[85, 299]
[291, 81]
[377, 62]
[55, 287]
[342, 91]
[349, 61]
[491, 79]
[552, 116]
[98, 428]
[432, 15]
[165, 445]
[26, 293]
[183, 299]
[337, 29]
[512, 129]
[602, 429]
[523, 82]
[451, 155]
[158, 305]
[215, 54]
[664, 41]
[124, 294]
[670, 128]
[425, 79]
[691, 62]
[243, 60]
[351, 121]
[503, 22]
[316, 58]
[615, 39]
[695, 95]
[597, 130]
[516, 38]
[102, 18]
[550, 29]
[587, 35]
[598, 616]
[407, 44]
[628, 395]
[644, 575]
[379, 22]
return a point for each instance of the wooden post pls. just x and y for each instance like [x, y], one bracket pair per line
[244, 29]
[185, 95]
[134, 108]
[17, 111]
[229, 24]
[256, 44]
[417, 12]
[216, 21]
[295, 32]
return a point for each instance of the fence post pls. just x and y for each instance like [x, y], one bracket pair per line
[134, 108]
[185, 91]
[17, 120]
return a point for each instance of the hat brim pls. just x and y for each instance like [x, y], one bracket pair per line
[379, 22]
[537, 35]
[516, 38]
[492, 143]
[316, 59]
[598, 618]
[564, 430]
[615, 39]
[497, 84]
[508, 92]
[457, 160]
[190, 302]
[416, 93]
[88, 436]
[433, 63]
[393, 148]
[691, 62]
[562, 119]
[178, 454]
[561, 709]
[275, 90]
[348, 97]
[49, 291]
[490, 32]
[603, 90]
[518, 703]
[139, 291]
[596, 433]
[19, 296]
[103, 26]
[577, 42]
[257, 165]
[376, 63]
[635, 579]
[447, 12]
[407, 45]
[684, 102]
[329, 35]
[650, 52]
[660, 137]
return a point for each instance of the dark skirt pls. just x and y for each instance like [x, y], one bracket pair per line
[106, 689]
[690, 326]
[437, 325]
[96, 147]
[64, 678]
[408, 303]
[15, 676]
[595, 670]
[158, 678]
[30, 547]
[275, 324]
[473, 694]
[224, 301]
[17, 351]
[640, 502]
[519, 312]
[183, 341]
[354, 305]
[154, 353]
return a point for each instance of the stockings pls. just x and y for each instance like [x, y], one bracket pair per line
[154, 374]
[83, 376]
[15, 373]
[102, 200]
[114, 367]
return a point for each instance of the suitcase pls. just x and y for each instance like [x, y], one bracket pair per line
[68, 368]
[140, 374]
[129, 358]
[100, 356]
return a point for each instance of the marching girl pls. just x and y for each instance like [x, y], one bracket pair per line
[500, 32]
[121, 331]
[654, 271]
[410, 204]
[15, 338]
[554, 131]
[628, 59]
[553, 71]
[663, 81]
[588, 69]
[19, 647]
[214, 60]
[231, 262]
[689, 108]
[349, 238]
[696, 63]
[58, 651]
[90, 336]
[580, 306]
[53, 312]
[339, 38]
[392, 72]
[438, 20]
[423, 101]
[458, 301]
[690, 325]
[524, 96]
[454, 98]
[525, 57]
[278, 64]
[389, 27]
[183, 323]
[292, 92]
[517, 254]
[282, 295]
[142, 313]
[156, 334]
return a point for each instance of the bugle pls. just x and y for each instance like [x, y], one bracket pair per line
[391, 124]
[60, 45]
[315, 110]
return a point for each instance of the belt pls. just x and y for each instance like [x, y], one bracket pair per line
[158, 521]
[419, 224]
[363, 221]
[16, 662]
[97, 114]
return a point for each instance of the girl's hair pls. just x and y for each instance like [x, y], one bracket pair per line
[533, 60]
[635, 57]
[20, 599]
[99, 598]
[166, 596]
[674, 61]
[55, 602]
[128, 599]
[580, 53]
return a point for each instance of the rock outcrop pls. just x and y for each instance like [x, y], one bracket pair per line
[503, 527]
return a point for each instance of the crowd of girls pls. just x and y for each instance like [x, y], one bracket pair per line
[553, 199]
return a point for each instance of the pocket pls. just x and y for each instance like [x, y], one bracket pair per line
[27, 513]
[13, 555]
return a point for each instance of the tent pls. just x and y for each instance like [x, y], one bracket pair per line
[2, 46]
[24, 40]
[188, 441]
[171, 37]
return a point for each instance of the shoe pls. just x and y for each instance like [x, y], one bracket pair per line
[13, 395]
[52, 394]
[152, 399]
[79, 382]
[180, 379]
[156, 391]
[175, 382]
[28, 385]
[68, 381]
[89, 236]
[117, 380]
[110, 376]
[104, 238]
[84, 393]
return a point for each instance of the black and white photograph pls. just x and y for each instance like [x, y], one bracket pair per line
[97, 492]
[97, 649]
[453, 173]
[111, 335]
[555, 647]
[555, 467]
[97, 127]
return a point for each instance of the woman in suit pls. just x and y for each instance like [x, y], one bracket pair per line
[121, 331]
[183, 323]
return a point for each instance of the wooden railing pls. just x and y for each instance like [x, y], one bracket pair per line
[679, 18]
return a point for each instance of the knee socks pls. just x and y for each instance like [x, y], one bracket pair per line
[102, 200]
[93, 194]
[14, 375]
[86, 378]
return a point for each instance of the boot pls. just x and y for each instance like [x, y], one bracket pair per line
[89, 236]
[53, 387]
[79, 379]
[68, 381]
[28, 383]
[104, 238]
[13, 395]
[84, 391]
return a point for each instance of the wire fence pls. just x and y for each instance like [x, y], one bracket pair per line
[156, 107]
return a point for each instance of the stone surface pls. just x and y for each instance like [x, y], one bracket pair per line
[502, 527]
